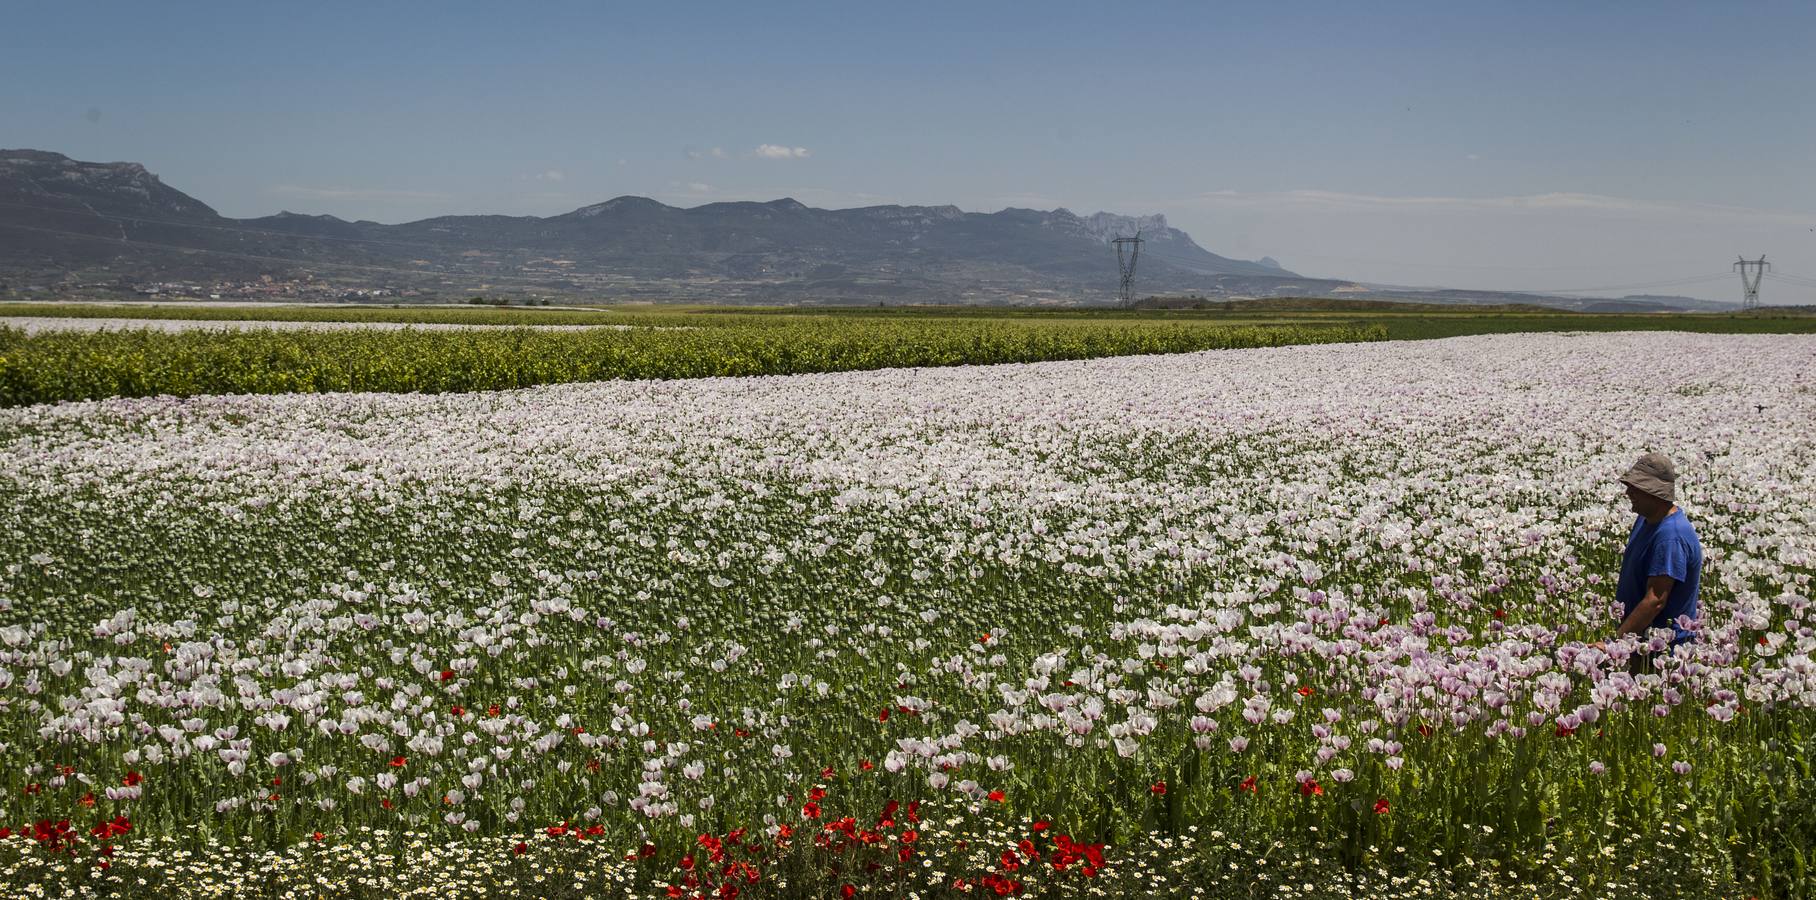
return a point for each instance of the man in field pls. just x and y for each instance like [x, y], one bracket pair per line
[1661, 569]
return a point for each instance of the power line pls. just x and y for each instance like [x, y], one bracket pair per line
[1127, 266]
[1791, 279]
[1750, 284]
[1694, 279]
[1410, 265]
[1698, 279]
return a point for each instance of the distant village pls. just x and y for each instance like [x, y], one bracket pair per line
[264, 288]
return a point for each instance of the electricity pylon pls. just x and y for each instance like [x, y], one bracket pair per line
[1126, 263]
[1750, 282]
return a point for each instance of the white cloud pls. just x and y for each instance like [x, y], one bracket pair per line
[699, 187]
[346, 193]
[778, 151]
[714, 153]
[1556, 202]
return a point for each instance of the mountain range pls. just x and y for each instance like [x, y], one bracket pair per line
[62, 218]
[66, 223]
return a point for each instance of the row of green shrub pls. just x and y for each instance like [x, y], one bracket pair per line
[57, 366]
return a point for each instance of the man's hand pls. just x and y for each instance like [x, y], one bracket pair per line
[1658, 589]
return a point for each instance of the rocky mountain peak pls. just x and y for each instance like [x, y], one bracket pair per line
[1108, 226]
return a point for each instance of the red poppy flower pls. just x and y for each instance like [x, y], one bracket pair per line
[1561, 731]
[847, 891]
[884, 715]
[810, 810]
[997, 796]
[458, 711]
[492, 710]
[1305, 690]
[132, 779]
[1039, 826]
[1500, 613]
[317, 837]
[397, 762]
[1381, 807]
[1157, 788]
[447, 674]
[1248, 784]
[520, 848]
[866, 765]
[1310, 787]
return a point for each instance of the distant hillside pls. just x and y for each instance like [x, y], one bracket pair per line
[65, 219]
[68, 226]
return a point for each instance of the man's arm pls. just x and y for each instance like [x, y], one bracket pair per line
[1658, 589]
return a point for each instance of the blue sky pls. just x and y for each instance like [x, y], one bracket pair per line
[1523, 146]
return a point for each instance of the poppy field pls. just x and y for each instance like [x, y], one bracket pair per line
[1310, 621]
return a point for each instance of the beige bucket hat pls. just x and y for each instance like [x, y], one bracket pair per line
[1655, 475]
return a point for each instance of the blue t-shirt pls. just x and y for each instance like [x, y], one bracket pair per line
[1668, 548]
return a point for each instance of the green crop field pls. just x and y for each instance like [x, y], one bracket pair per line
[678, 342]
[134, 363]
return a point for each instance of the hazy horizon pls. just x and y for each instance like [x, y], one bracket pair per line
[1544, 148]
